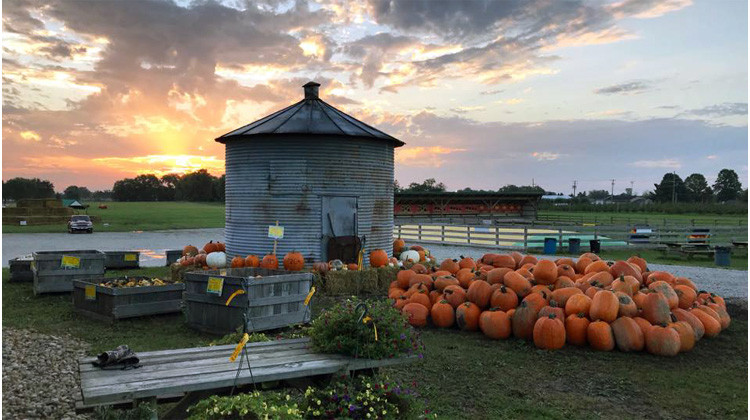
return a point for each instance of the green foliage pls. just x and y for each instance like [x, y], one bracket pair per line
[363, 397]
[339, 330]
[195, 186]
[254, 405]
[727, 185]
[19, 188]
[142, 411]
[670, 189]
[698, 189]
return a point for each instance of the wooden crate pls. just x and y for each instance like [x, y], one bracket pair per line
[273, 301]
[122, 259]
[113, 303]
[50, 276]
[20, 270]
[173, 255]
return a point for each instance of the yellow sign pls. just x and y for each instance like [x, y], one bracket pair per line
[69, 261]
[90, 292]
[215, 286]
[239, 347]
[276, 232]
[131, 257]
[309, 295]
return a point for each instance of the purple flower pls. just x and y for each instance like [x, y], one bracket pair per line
[421, 356]
[403, 336]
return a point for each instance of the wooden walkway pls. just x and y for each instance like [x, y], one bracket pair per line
[182, 371]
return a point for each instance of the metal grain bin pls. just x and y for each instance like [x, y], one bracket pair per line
[122, 259]
[54, 271]
[317, 171]
[273, 301]
[110, 303]
[20, 269]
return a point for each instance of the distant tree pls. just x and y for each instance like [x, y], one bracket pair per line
[74, 192]
[598, 194]
[743, 196]
[20, 188]
[219, 188]
[196, 186]
[101, 195]
[168, 189]
[396, 186]
[697, 188]
[629, 192]
[727, 185]
[671, 185]
[521, 189]
[140, 188]
[428, 185]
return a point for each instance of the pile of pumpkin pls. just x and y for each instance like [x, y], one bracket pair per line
[213, 255]
[590, 302]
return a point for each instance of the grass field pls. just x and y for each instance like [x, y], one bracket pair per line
[655, 218]
[465, 375]
[130, 216]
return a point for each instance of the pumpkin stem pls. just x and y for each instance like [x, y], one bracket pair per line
[552, 316]
[674, 318]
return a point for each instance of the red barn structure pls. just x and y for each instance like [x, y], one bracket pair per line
[465, 207]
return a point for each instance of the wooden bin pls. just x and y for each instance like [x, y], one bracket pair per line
[122, 259]
[275, 300]
[20, 270]
[113, 303]
[173, 255]
[50, 275]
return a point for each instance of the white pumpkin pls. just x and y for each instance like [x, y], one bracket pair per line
[411, 255]
[216, 260]
[337, 265]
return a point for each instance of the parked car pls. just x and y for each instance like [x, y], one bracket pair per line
[80, 223]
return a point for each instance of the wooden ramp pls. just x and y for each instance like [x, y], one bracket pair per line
[182, 371]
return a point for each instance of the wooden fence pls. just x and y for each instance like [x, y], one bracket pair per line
[523, 237]
[630, 220]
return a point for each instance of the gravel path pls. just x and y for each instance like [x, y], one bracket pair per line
[40, 375]
[727, 283]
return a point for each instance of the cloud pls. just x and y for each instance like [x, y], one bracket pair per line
[720, 110]
[425, 157]
[466, 109]
[542, 156]
[664, 163]
[491, 92]
[627, 88]
[711, 157]
[646, 9]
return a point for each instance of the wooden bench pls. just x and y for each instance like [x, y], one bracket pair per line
[688, 250]
[195, 372]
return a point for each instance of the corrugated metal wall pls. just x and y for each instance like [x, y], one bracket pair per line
[283, 178]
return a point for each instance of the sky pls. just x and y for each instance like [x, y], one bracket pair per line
[484, 93]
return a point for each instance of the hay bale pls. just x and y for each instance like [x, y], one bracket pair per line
[351, 283]
[385, 276]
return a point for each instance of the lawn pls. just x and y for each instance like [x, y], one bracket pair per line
[465, 375]
[130, 216]
[652, 218]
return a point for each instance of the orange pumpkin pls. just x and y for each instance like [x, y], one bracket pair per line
[270, 262]
[504, 298]
[600, 337]
[252, 261]
[210, 247]
[578, 304]
[416, 314]
[695, 323]
[189, 251]
[604, 306]
[421, 299]
[627, 306]
[655, 308]
[403, 276]
[467, 316]
[294, 261]
[442, 282]
[686, 333]
[662, 340]
[518, 283]
[378, 258]
[561, 296]
[549, 333]
[237, 262]
[497, 275]
[524, 319]
[398, 246]
[576, 329]
[479, 293]
[545, 272]
[443, 315]
[455, 295]
[711, 326]
[450, 265]
[467, 262]
[666, 290]
[495, 324]
[628, 335]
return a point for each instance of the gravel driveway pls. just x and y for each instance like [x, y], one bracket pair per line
[727, 283]
[40, 375]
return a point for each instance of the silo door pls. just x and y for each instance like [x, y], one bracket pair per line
[339, 228]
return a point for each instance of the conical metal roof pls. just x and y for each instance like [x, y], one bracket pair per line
[309, 116]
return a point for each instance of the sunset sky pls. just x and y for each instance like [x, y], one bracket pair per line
[483, 93]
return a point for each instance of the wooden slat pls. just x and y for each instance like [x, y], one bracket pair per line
[176, 354]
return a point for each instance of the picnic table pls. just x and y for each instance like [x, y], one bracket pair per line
[194, 373]
[687, 249]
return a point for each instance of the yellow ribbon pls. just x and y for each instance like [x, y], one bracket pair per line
[237, 292]
[367, 319]
[309, 295]
[239, 347]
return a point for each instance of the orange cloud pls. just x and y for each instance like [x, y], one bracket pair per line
[424, 157]
[163, 164]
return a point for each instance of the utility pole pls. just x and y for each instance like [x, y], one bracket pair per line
[574, 188]
[532, 182]
[613, 187]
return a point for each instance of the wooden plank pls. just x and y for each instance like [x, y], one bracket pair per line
[259, 346]
[217, 363]
[331, 364]
[149, 308]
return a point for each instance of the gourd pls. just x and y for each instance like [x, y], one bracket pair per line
[336, 265]
[216, 260]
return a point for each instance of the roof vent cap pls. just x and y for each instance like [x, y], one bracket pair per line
[311, 90]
